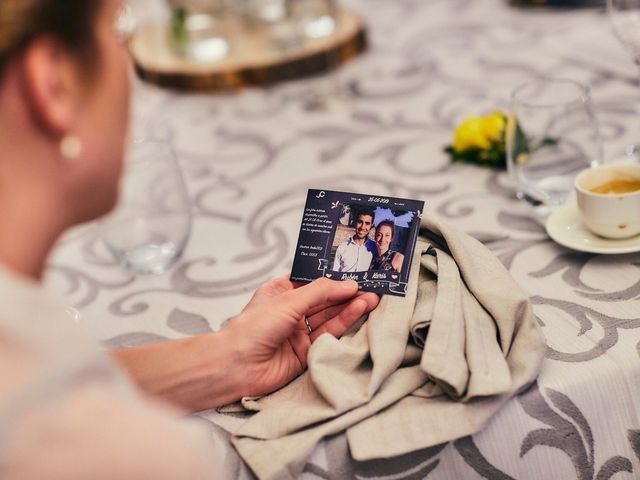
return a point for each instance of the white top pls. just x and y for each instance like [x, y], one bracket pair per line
[67, 412]
[351, 257]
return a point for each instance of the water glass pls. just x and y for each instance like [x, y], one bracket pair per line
[266, 11]
[150, 226]
[314, 18]
[551, 135]
[199, 30]
[292, 22]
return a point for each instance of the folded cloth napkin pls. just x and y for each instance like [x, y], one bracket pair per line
[425, 369]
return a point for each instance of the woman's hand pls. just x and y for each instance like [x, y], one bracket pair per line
[261, 350]
[273, 337]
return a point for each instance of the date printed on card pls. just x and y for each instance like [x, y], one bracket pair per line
[351, 236]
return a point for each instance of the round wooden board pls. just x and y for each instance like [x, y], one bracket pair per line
[254, 59]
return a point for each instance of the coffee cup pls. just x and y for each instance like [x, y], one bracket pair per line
[609, 199]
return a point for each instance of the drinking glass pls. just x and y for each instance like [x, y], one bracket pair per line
[291, 24]
[625, 22]
[198, 30]
[150, 226]
[266, 11]
[624, 16]
[551, 135]
[314, 18]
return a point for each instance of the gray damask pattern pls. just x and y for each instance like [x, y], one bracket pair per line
[378, 125]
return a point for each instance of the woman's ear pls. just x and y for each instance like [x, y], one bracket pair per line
[51, 85]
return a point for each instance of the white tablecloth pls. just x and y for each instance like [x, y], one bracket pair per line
[378, 126]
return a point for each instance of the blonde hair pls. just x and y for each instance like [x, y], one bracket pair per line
[69, 21]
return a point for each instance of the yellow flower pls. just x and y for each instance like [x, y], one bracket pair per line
[481, 140]
[479, 132]
[493, 126]
[470, 135]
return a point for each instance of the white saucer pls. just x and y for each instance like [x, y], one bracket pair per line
[565, 227]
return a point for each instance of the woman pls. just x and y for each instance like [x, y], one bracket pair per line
[386, 259]
[66, 409]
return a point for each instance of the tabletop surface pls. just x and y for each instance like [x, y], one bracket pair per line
[378, 126]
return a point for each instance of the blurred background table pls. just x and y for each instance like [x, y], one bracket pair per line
[257, 56]
[378, 125]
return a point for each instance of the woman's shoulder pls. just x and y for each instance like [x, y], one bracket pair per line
[51, 347]
[57, 382]
[35, 316]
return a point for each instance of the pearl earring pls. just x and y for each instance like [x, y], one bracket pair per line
[70, 147]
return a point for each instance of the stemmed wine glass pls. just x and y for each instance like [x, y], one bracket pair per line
[625, 23]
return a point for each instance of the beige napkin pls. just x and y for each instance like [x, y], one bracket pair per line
[425, 369]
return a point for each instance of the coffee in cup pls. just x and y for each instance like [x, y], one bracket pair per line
[609, 199]
[622, 183]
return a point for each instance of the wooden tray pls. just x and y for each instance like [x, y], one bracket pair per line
[253, 59]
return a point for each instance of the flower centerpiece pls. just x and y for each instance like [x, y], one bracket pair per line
[481, 141]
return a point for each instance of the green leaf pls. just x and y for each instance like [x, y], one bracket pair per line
[178, 26]
[493, 157]
[496, 155]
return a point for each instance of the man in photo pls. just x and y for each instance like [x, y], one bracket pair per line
[356, 252]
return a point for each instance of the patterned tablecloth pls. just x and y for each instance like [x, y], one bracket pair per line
[378, 126]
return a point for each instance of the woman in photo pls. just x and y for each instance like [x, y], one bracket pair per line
[387, 259]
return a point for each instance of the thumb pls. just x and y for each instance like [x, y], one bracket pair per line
[319, 294]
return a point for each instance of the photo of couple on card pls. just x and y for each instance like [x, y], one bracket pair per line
[351, 236]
